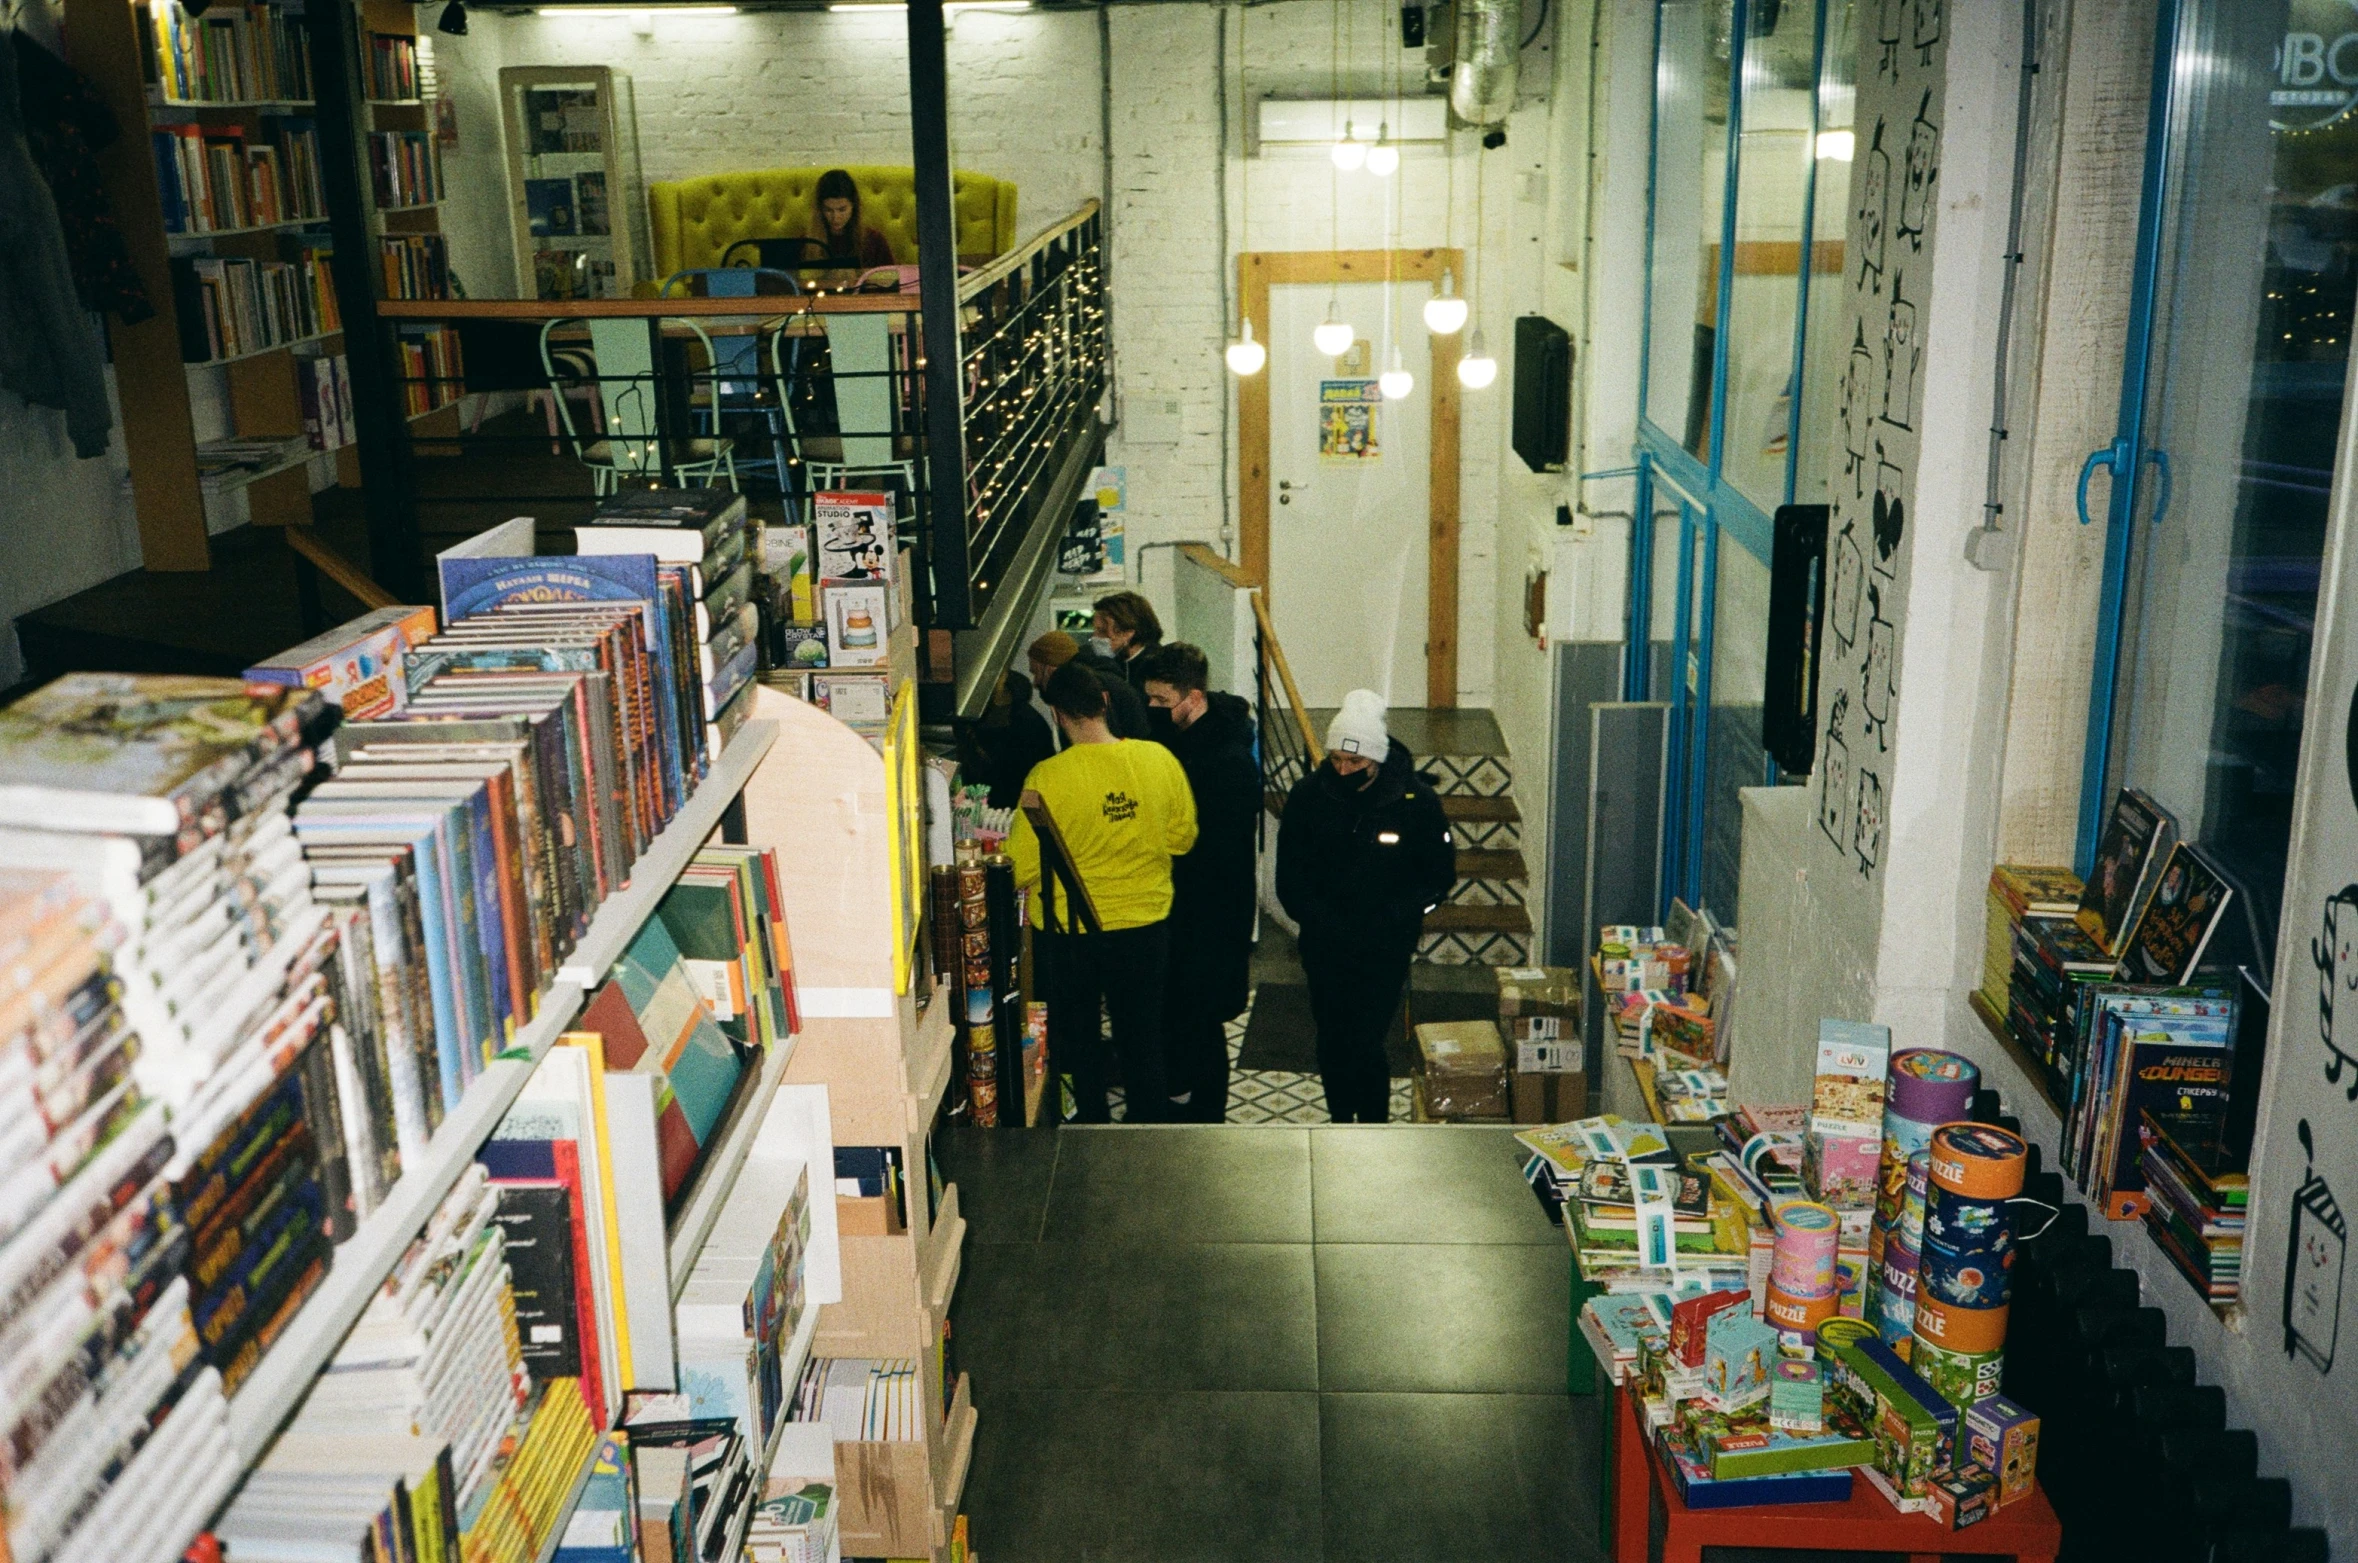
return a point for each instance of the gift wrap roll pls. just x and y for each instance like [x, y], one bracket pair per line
[1808, 1238]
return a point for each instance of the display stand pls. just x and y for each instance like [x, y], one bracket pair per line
[823, 799]
[574, 190]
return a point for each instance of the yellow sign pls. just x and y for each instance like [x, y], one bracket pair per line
[905, 829]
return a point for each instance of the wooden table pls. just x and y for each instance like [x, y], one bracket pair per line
[2026, 1529]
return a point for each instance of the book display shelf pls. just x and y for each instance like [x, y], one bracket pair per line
[574, 192]
[405, 191]
[877, 1035]
[216, 184]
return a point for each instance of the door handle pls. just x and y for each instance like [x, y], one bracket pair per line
[2161, 498]
[2112, 458]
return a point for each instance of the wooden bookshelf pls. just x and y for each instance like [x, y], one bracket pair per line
[878, 1036]
[113, 47]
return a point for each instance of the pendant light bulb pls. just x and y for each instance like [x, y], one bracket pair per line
[1477, 369]
[1334, 335]
[1396, 382]
[1445, 312]
[1383, 159]
[1350, 152]
[1246, 356]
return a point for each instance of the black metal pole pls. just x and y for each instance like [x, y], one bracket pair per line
[388, 466]
[937, 295]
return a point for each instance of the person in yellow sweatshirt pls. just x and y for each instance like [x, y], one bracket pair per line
[1123, 809]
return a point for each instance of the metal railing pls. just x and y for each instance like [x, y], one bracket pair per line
[1035, 339]
[1289, 750]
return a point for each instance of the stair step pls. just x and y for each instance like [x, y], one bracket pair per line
[1489, 863]
[1455, 917]
[1467, 806]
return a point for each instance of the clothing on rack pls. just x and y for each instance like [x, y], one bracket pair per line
[68, 124]
[49, 349]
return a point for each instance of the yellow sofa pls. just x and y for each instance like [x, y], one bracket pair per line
[694, 220]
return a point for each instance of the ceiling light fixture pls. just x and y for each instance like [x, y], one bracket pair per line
[1837, 146]
[1246, 356]
[454, 19]
[1445, 312]
[1350, 152]
[636, 10]
[1477, 369]
[1396, 382]
[1334, 335]
[1383, 159]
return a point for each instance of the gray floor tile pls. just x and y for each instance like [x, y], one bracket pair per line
[1002, 1177]
[1177, 1185]
[1124, 1478]
[1444, 1319]
[1456, 1479]
[1424, 1183]
[1181, 1316]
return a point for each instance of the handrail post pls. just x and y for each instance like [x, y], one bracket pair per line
[937, 290]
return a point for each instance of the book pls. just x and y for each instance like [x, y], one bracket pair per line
[2137, 838]
[2180, 916]
[548, 207]
[854, 536]
[136, 753]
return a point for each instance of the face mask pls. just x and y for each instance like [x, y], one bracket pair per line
[1101, 646]
[1160, 725]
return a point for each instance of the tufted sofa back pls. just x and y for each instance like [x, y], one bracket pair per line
[695, 220]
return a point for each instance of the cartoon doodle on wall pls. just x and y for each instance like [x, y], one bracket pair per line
[1920, 172]
[2350, 745]
[2313, 1257]
[1926, 30]
[1902, 355]
[1858, 387]
[1891, 511]
[1874, 212]
[1842, 596]
[2334, 952]
[1867, 835]
[1891, 24]
[1833, 781]
[1875, 674]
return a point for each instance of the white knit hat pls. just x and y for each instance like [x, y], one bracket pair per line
[1358, 728]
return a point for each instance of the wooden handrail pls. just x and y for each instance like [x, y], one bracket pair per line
[1219, 564]
[306, 541]
[765, 305]
[983, 276]
[1285, 676]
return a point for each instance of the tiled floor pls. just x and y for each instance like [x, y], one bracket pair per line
[1221, 1342]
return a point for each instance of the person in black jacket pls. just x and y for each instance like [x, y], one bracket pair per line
[1212, 887]
[1363, 852]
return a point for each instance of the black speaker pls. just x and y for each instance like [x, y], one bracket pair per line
[1543, 393]
[1796, 616]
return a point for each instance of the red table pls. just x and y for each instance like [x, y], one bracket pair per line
[2026, 1529]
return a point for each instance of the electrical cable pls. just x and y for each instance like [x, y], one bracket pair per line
[1535, 27]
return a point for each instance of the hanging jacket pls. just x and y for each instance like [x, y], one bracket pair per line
[1213, 885]
[49, 351]
[1363, 863]
[67, 125]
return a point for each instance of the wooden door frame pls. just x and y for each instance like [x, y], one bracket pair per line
[1257, 272]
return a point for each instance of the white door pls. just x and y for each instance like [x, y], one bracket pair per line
[1350, 486]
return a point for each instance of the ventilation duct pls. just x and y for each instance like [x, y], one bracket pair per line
[1489, 47]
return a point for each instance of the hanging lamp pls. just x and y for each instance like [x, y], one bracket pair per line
[1396, 382]
[1477, 369]
[1246, 356]
[1383, 159]
[1349, 151]
[1445, 311]
[1334, 335]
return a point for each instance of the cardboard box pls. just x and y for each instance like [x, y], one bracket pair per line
[358, 665]
[1915, 1429]
[1538, 992]
[1547, 1096]
[870, 1216]
[1965, 1496]
[1462, 1065]
[2004, 1437]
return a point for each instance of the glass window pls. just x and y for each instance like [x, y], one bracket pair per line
[1732, 754]
[1690, 174]
[2259, 264]
[1826, 355]
[1764, 297]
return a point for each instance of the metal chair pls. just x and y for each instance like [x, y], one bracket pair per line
[738, 386]
[628, 382]
[860, 378]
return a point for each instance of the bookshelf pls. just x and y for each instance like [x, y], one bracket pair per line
[404, 190]
[285, 1374]
[574, 192]
[877, 1035]
[234, 94]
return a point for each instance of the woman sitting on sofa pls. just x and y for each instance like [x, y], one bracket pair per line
[842, 239]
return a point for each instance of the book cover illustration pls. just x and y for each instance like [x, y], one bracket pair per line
[855, 536]
[137, 735]
[855, 626]
[2188, 901]
[477, 586]
[548, 207]
[592, 217]
[2137, 837]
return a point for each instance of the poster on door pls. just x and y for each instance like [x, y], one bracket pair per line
[1347, 422]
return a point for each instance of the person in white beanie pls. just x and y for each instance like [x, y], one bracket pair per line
[1363, 852]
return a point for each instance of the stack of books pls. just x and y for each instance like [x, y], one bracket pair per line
[513, 1516]
[654, 1027]
[863, 1399]
[798, 1526]
[2140, 1048]
[433, 369]
[343, 1496]
[94, 1309]
[436, 1356]
[2018, 893]
[1692, 1095]
[704, 532]
[727, 917]
[1607, 1230]
[696, 1483]
[2200, 1195]
[231, 308]
[741, 1307]
[2054, 958]
[232, 54]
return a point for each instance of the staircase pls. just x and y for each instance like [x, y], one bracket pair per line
[1485, 921]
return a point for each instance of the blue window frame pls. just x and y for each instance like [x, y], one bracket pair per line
[1742, 184]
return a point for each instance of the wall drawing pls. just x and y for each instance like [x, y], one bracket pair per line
[2334, 952]
[2314, 1255]
[1903, 71]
